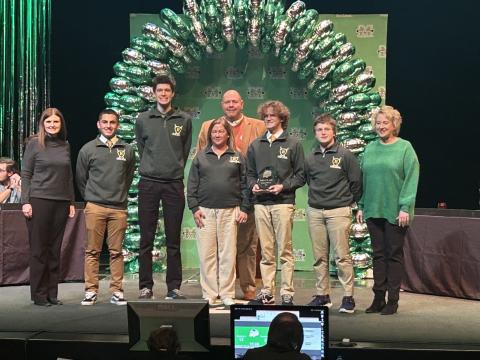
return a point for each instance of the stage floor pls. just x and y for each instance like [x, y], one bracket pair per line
[422, 321]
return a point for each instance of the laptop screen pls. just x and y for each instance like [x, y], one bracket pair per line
[250, 323]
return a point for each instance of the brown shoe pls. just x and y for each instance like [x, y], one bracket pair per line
[249, 295]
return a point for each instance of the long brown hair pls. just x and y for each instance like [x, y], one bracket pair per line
[41, 133]
[228, 128]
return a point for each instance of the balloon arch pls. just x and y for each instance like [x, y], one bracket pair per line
[321, 57]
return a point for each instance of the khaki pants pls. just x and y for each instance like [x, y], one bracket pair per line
[274, 226]
[247, 241]
[217, 248]
[331, 227]
[98, 219]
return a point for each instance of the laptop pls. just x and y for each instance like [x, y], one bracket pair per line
[249, 326]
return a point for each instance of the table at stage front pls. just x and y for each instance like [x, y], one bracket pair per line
[442, 253]
[15, 251]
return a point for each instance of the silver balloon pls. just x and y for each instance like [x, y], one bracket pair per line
[146, 92]
[354, 145]
[199, 35]
[348, 120]
[228, 30]
[121, 85]
[158, 33]
[359, 231]
[132, 57]
[361, 260]
[345, 52]
[190, 7]
[253, 32]
[323, 28]
[157, 67]
[364, 82]
[281, 31]
[341, 92]
[324, 69]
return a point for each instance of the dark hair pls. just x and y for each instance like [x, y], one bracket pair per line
[286, 332]
[164, 340]
[163, 79]
[228, 128]
[326, 119]
[279, 109]
[108, 112]
[9, 162]
[41, 134]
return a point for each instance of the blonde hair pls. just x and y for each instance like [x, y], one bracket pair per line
[278, 108]
[392, 115]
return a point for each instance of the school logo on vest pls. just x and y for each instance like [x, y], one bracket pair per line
[283, 153]
[121, 154]
[235, 159]
[177, 130]
[336, 162]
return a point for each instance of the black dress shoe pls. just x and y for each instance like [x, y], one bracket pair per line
[42, 303]
[377, 306]
[390, 308]
[55, 301]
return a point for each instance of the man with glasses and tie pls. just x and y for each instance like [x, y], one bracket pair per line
[105, 168]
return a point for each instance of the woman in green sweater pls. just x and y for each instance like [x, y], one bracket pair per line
[390, 178]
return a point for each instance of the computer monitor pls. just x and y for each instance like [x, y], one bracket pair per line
[189, 318]
[249, 326]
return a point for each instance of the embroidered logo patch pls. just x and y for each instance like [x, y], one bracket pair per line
[283, 153]
[177, 130]
[336, 162]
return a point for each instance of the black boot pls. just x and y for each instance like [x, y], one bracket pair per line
[378, 303]
[390, 308]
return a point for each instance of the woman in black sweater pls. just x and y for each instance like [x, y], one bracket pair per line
[47, 198]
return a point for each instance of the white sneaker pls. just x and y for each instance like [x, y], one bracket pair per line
[90, 298]
[118, 299]
[228, 302]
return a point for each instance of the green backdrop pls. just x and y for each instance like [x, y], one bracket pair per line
[258, 78]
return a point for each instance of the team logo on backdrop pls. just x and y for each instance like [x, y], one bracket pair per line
[299, 214]
[188, 233]
[212, 92]
[298, 93]
[365, 31]
[336, 162]
[121, 154]
[177, 130]
[192, 72]
[282, 153]
[299, 254]
[277, 73]
[234, 73]
[382, 51]
[254, 53]
[298, 133]
[235, 159]
[255, 93]
[382, 92]
[194, 112]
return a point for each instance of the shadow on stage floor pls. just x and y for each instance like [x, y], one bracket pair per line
[424, 327]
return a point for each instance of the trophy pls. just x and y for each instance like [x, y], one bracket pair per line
[267, 178]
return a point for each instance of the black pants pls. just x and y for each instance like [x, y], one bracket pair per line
[150, 193]
[45, 230]
[388, 268]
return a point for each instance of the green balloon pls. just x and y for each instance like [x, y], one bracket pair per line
[112, 99]
[348, 70]
[195, 51]
[306, 70]
[320, 89]
[132, 212]
[132, 103]
[176, 23]
[303, 26]
[149, 47]
[357, 102]
[136, 74]
[176, 65]
[324, 49]
[286, 54]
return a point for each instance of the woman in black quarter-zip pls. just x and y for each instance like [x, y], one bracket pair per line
[47, 198]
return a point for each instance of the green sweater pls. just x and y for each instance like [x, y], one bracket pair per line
[390, 179]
